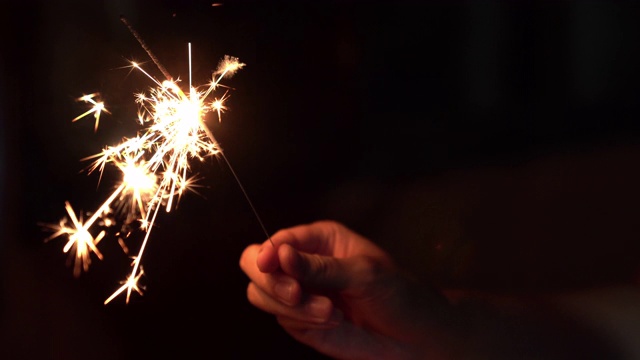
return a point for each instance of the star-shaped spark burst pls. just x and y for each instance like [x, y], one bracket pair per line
[80, 242]
[96, 110]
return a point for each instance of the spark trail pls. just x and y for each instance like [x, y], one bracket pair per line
[155, 165]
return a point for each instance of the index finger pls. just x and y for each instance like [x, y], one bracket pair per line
[325, 237]
[267, 259]
[318, 237]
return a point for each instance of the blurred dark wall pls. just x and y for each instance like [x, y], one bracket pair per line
[485, 144]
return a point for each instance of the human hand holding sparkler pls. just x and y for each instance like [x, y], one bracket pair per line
[339, 293]
[342, 295]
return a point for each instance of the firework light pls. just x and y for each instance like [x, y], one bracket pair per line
[154, 165]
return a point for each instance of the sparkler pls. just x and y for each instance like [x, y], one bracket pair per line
[155, 165]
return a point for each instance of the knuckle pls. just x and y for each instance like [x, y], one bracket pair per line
[317, 269]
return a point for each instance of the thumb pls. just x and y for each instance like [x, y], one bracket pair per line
[316, 271]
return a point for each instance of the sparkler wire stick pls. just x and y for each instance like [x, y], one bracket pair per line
[204, 126]
[146, 48]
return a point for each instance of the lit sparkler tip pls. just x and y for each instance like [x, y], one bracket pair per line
[228, 66]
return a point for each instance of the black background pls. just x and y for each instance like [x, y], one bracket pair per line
[488, 145]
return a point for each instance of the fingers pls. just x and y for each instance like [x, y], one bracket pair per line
[313, 270]
[277, 284]
[357, 275]
[281, 295]
[267, 258]
[318, 237]
[300, 325]
[309, 238]
[297, 270]
[327, 238]
[315, 311]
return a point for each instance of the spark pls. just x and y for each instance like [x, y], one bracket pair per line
[80, 242]
[96, 110]
[154, 166]
[130, 285]
[218, 105]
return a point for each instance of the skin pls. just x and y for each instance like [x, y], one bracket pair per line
[339, 293]
[323, 281]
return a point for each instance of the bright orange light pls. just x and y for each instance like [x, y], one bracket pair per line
[155, 165]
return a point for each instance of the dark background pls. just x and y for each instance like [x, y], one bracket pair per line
[487, 145]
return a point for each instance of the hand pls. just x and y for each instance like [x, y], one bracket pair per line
[339, 293]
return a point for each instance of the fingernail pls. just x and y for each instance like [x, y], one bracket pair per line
[283, 290]
[320, 309]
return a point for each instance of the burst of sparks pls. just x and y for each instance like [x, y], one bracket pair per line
[96, 110]
[79, 240]
[155, 166]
